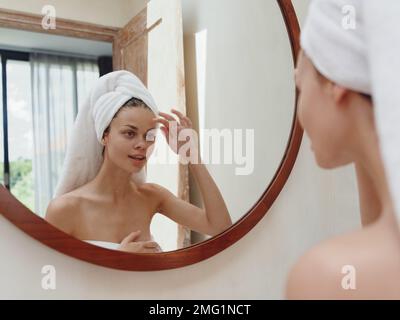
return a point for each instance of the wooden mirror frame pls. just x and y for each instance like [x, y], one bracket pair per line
[38, 228]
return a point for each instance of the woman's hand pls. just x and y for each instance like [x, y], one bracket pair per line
[129, 245]
[172, 131]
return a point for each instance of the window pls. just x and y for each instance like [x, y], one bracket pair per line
[20, 131]
[43, 95]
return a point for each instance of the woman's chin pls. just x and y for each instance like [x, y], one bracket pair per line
[136, 167]
[321, 161]
[326, 162]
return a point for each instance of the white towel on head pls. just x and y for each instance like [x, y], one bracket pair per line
[365, 59]
[83, 157]
[337, 52]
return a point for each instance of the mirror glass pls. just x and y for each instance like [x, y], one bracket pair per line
[240, 96]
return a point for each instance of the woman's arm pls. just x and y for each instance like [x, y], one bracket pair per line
[215, 207]
[214, 218]
[185, 213]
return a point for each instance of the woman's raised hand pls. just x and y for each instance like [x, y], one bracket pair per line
[129, 244]
[171, 128]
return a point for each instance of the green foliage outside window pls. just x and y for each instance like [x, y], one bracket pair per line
[21, 181]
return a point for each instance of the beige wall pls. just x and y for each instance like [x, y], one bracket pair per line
[114, 13]
[313, 205]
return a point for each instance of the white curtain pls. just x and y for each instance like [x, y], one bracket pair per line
[59, 86]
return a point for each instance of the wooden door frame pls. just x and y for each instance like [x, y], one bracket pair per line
[65, 27]
[38, 228]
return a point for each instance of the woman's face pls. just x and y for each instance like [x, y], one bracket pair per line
[324, 116]
[132, 134]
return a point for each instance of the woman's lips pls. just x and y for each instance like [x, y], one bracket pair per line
[137, 161]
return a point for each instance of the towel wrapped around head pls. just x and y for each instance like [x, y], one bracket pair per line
[335, 43]
[355, 43]
[83, 156]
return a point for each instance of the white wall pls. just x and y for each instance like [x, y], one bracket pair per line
[313, 205]
[248, 86]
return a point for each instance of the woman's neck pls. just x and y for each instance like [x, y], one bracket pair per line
[374, 195]
[375, 199]
[113, 182]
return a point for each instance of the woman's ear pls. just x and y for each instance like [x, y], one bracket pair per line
[338, 93]
[105, 134]
[104, 141]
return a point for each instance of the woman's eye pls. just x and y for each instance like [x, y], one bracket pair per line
[130, 133]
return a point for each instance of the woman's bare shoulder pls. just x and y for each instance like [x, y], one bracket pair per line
[152, 187]
[62, 212]
[314, 274]
[345, 267]
[155, 190]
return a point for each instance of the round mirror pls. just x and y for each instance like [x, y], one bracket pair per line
[238, 91]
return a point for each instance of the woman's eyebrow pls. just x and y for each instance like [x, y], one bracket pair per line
[133, 127]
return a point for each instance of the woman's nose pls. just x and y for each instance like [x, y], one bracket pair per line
[141, 144]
